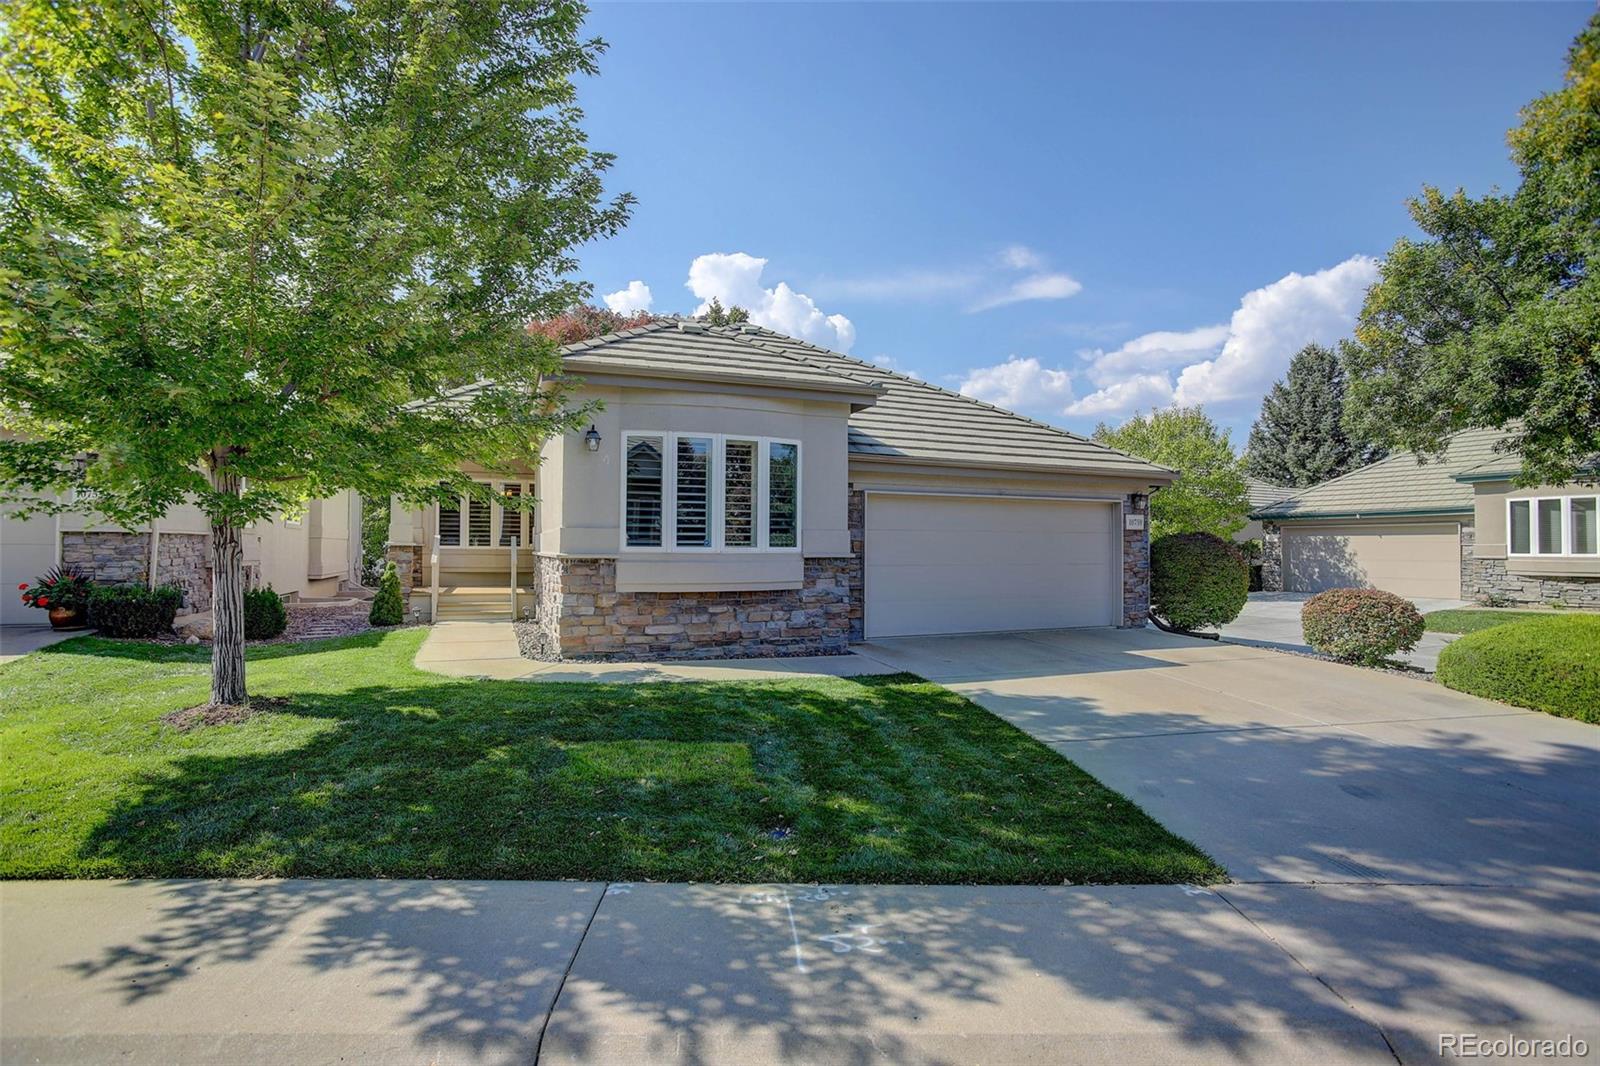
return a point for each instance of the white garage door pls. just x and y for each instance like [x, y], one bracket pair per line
[27, 549]
[952, 564]
[1408, 560]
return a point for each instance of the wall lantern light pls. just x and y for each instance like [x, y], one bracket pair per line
[592, 438]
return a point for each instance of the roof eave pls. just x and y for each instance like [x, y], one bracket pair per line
[1153, 475]
[1411, 512]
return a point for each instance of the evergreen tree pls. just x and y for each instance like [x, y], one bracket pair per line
[1299, 438]
[716, 315]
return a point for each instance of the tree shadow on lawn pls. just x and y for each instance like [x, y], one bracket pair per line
[885, 778]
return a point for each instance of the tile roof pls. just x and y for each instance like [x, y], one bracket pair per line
[909, 421]
[679, 349]
[1398, 484]
[1264, 493]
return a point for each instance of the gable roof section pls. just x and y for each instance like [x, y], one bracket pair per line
[1397, 485]
[915, 422]
[664, 350]
[1260, 493]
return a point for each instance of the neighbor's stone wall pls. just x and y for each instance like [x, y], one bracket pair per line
[1271, 558]
[1489, 579]
[1136, 564]
[184, 559]
[581, 615]
[109, 558]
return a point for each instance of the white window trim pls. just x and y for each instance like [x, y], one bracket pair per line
[495, 511]
[1533, 551]
[669, 494]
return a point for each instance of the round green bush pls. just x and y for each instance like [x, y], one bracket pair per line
[1550, 664]
[387, 608]
[264, 614]
[1197, 579]
[1360, 625]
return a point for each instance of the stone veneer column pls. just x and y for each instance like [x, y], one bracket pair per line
[1271, 558]
[1136, 563]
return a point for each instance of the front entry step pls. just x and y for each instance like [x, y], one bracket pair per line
[477, 603]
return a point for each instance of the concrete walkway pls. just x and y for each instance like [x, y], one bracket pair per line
[17, 641]
[489, 650]
[1272, 620]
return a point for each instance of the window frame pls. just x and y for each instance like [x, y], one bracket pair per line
[524, 526]
[719, 476]
[1564, 526]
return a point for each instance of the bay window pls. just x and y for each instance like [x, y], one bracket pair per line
[1553, 525]
[707, 492]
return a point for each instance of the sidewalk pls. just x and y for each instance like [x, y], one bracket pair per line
[491, 972]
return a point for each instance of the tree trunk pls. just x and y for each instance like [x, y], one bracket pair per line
[227, 610]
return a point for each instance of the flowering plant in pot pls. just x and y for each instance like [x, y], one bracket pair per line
[63, 593]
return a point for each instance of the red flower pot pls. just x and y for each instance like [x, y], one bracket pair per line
[65, 618]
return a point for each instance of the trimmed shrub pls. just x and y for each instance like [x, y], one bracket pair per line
[387, 608]
[1197, 579]
[264, 614]
[1550, 664]
[134, 610]
[1363, 626]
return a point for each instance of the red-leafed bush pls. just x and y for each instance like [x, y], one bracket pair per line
[584, 322]
[1360, 625]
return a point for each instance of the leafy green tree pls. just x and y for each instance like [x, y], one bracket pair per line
[249, 248]
[1299, 438]
[1209, 495]
[1493, 320]
[716, 315]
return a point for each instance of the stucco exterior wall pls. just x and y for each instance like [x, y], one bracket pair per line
[580, 494]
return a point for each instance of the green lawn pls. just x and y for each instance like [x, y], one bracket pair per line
[1467, 620]
[373, 768]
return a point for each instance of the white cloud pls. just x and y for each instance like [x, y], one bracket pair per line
[1274, 322]
[1032, 287]
[1021, 257]
[636, 297]
[1125, 397]
[982, 285]
[735, 279]
[1229, 364]
[1018, 384]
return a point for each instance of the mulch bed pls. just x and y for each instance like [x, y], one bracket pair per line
[208, 714]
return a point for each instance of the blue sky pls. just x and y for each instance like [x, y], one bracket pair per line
[1074, 210]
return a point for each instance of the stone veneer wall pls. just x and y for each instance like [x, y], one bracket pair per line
[407, 560]
[118, 558]
[1271, 558]
[1136, 564]
[581, 615]
[1490, 579]
[184, 559]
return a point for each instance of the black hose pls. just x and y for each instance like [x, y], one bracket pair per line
[1165, 628]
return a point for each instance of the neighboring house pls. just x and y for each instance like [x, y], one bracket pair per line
[744, 493]
[1259, 494]
[302, 558]
[1452, 529]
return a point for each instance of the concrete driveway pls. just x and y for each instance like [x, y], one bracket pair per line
[1272, 620]
[1431, 856]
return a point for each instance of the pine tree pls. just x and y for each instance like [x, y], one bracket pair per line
[1299, 439]
[388, 608]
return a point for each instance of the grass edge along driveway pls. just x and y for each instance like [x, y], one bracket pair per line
[376, 769]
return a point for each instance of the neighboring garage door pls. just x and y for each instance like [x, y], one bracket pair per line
[27, 549]
[1414, 560]
[957, 564]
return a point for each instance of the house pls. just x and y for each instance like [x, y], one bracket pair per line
[1258, 494]
[1456, 528]
[302, 558]
[744, 493]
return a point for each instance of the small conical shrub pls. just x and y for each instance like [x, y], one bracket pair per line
[264, 614]
[387, 607]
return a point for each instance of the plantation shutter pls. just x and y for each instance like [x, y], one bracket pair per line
[643, 491]
[510, 520]
[450, 523]
[694, 492]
